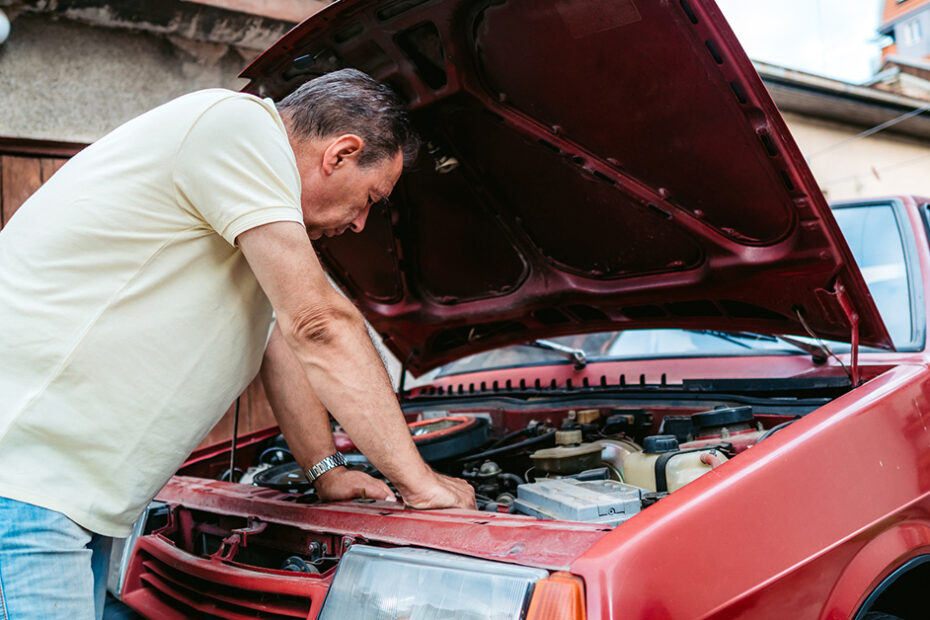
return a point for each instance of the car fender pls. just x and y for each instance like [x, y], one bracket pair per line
[880, 557]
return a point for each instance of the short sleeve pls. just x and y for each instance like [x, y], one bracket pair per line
[236, 170]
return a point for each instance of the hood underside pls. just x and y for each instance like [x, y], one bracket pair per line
[589, 165]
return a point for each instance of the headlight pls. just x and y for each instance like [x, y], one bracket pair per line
[372, 583]
[121, 552]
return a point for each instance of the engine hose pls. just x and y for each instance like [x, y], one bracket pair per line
[528, 443]
[513, 478]
[777, 428]
[508, 437]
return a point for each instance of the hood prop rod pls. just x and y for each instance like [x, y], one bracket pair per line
[853, 318]
[825, 348]
[402, 381]
[235, 440]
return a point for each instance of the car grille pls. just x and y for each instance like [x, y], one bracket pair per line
[165, 582]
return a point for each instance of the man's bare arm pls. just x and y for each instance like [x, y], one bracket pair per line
[329, 339]
[305, 423]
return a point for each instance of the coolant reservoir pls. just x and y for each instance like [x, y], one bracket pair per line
[663, 467]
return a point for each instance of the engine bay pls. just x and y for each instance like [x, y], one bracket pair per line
[593, 460]
[571, 464]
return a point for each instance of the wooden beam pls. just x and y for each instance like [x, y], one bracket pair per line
[46, 148]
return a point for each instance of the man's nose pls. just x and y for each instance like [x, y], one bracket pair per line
[358, 224]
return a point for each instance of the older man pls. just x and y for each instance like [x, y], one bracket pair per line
[136, 296]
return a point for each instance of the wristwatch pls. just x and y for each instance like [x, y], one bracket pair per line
[330, 462]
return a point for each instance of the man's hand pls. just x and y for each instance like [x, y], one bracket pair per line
[341, 484]
[441, 492]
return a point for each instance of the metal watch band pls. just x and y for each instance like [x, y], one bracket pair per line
[330, 462]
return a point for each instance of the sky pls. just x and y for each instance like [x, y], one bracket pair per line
[835, 38]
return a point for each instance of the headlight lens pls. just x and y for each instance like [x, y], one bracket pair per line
[121, 551]
[372, 583]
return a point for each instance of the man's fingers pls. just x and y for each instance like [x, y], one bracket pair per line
[444, 492]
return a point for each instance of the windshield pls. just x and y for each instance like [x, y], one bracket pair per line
[874, 238]
[873, 235]
[625, 345]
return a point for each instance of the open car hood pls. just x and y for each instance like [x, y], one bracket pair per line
[591, 165]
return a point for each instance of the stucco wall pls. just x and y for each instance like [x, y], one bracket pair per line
[66, 81]
[878, 165]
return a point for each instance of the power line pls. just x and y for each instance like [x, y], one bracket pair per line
[900, 164]
[872, 131]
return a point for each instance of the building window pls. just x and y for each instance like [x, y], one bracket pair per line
[911, 32]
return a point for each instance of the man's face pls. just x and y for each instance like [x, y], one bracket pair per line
[341, 200]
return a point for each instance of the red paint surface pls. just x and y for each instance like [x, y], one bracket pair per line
[497, 536]
[783, 520]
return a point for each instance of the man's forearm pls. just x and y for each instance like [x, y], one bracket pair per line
[302, 417]
[328, 337]
[349, 378]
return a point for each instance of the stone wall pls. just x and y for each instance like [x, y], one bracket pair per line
[63, 80]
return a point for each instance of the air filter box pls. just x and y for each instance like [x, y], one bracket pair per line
[597, 501]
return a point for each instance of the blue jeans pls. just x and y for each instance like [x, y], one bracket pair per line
[50, 567]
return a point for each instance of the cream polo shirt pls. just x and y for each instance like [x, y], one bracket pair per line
[129, 320]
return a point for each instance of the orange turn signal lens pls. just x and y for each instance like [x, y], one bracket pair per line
[558, 597]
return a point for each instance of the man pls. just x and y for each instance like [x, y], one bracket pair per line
[136, 296]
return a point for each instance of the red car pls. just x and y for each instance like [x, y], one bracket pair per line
[680, 384]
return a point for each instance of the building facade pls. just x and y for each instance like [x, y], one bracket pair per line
[907, 23]
[859, 141]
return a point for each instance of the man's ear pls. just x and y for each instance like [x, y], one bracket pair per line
[340, 151]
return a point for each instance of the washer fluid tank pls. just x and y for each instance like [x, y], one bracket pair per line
[662, 466]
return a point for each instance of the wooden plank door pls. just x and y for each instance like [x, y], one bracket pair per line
[20, 176]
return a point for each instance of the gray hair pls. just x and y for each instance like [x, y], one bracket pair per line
[349, 101]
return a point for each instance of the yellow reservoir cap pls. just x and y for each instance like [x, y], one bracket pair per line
[558, 597]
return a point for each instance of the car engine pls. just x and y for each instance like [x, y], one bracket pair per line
[595, 464]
